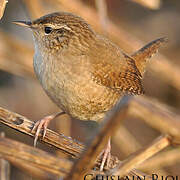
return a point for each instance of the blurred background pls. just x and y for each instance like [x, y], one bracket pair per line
[129, 23]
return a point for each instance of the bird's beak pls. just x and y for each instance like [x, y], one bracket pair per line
[23, 23]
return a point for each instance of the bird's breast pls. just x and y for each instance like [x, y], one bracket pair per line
[71, 87]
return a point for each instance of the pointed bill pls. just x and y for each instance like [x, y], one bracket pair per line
[23, 23]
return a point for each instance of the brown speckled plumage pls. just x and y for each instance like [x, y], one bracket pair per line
[84, 73]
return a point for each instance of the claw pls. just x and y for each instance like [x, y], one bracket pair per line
[106, 153]
[35, 141]
[39, 125]
[43, 124]
[45, 129]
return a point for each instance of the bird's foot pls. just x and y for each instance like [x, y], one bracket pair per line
[105, 155]
[43, 124]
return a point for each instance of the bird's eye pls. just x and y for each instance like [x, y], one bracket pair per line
[48, 30]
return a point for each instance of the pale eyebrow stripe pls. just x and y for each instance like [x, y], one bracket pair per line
[58, 27]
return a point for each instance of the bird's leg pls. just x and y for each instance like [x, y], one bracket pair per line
[106, 155]
[43, 124]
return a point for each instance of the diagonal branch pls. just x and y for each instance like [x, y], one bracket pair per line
[24, 125]
[140, 156]
[157, 116]
[164, 159]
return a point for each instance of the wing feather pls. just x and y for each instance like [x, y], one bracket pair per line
[116, 71]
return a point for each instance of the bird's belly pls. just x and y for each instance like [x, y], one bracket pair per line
[84, 100]
[74, 91]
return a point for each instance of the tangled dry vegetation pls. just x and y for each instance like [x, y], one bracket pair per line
[43, 165]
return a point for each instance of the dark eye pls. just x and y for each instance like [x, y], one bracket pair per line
[48, 30]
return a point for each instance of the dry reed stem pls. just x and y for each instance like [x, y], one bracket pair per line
[19, 153]
[157, 116]
[24, 125]
[64, 126]
[163, 159]
[125, 141]
[31, 170]
[111, 123]
[151, 4]
[2, 7]
[140, 156]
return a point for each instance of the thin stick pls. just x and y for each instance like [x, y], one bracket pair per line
[164, 159]
[140, 156]
[17, 152]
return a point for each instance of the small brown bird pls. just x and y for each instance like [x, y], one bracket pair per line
[84, 73]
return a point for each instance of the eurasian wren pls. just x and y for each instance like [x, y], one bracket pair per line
[84, 73]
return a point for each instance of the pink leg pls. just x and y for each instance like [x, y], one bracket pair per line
[106, 153]
[43, 124]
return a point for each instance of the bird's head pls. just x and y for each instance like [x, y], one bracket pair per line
[59, 30]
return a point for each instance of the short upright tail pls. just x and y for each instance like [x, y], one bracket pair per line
[141, 56]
